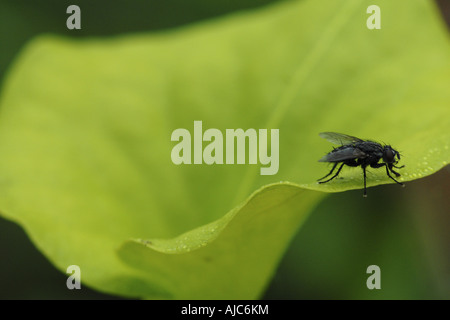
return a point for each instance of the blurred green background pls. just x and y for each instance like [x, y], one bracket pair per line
[405, 229]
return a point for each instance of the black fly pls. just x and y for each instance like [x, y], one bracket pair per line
[355, 152]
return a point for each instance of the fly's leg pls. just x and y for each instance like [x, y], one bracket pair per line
[334, 166]
[387, 171]
[390, 168]
[339, 170]
[365, 190]
[377, 165]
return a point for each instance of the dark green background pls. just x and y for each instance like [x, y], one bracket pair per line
[402, 230]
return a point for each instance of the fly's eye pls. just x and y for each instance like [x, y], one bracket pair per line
[388, 155]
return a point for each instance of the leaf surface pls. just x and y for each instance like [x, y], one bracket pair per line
[85, 138]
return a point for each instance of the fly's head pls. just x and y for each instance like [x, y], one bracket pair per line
[390, 155]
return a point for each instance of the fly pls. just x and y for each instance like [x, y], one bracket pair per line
[355, 152]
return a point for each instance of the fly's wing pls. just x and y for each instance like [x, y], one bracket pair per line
[339, 138]
[339, 155]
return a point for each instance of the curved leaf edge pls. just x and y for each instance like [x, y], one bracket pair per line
[203, 235]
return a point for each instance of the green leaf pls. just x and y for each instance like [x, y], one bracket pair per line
[230, 258]
[85, 131]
